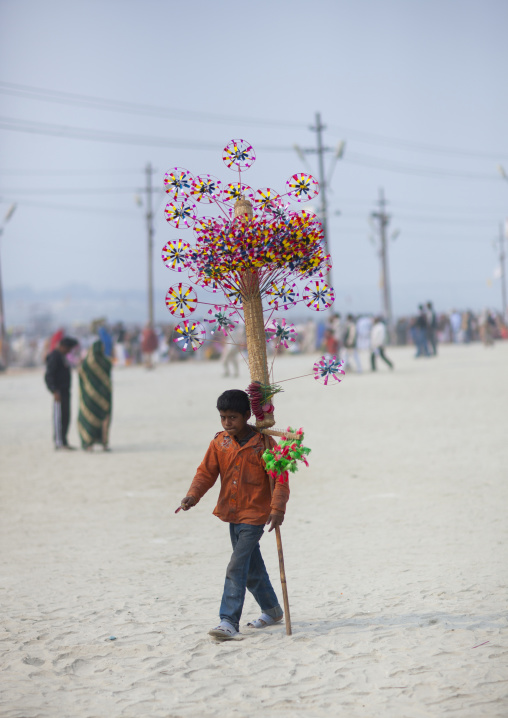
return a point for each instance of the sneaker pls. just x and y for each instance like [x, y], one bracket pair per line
[224, 631]
[264, 620]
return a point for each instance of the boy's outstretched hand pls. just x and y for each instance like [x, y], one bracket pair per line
[188, 502]
[275, 520]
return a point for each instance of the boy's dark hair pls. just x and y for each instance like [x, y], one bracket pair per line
[69, 342]
[234, 400]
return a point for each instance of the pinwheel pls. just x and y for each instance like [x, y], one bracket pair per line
[177, 183]
[281, 332]
[181, 300]
[174, 254]
[283, 296]
[302, 187]
[206, 188]
[222, 319]
[237, 190]
[326, 369]
[180, 214]
[238, 155]
[318, 296]
[191, 335]
[266, 198]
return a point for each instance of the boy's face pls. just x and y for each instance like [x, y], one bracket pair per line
[233, 422]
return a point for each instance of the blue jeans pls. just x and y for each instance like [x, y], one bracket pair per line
[247, 569]
[420, 339]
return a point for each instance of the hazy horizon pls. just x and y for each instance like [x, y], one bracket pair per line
[93, 92]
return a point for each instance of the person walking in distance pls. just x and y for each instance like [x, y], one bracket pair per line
[149, 345]
[58, 381]
[378, 340]
[350, 338]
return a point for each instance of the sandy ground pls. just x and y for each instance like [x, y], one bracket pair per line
[395, 547]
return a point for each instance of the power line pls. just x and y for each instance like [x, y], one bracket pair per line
[80, 133]
[99, 103]
[77, 208]
[382, 140]
[422, 206]
[65, 173]
[345, 200]
[71, 190]
[408, 235]
[425, 219]
[433, 172]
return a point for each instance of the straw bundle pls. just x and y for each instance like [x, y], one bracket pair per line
[254, 320]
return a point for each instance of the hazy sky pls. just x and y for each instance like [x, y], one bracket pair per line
[416, 88]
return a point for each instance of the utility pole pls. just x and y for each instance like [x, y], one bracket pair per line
[318, 129]
[386, 299]
[149, 227]
[3, 336]
[502, 256]
[320, 151]
[4, 354]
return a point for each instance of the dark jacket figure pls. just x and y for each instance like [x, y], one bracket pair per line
[58, 381]
[420, 333]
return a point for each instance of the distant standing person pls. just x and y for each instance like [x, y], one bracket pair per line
[363, 329]
[94, 416]
[333, 335]
[149, 345]
[58, 381]
[350, 343]
[107, 341]
[421, 333]
[487, 328]
[432, 327]
[309, 335]
[235, 341]
[378, 339]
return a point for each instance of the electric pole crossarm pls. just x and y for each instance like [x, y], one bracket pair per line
[323, 180]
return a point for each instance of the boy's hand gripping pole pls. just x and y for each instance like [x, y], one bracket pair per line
[287, 615]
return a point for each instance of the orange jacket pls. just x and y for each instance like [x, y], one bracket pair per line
[245, 496]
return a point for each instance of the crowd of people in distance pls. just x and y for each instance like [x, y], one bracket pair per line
[426, 329]
[95, 348]
[344, 336]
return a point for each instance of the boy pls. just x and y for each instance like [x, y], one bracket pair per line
[246, 503]
[58, 381]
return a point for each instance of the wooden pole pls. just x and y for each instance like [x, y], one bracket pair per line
[258, 367]
[282, 570]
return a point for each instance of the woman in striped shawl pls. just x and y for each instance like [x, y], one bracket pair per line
[95, 398]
